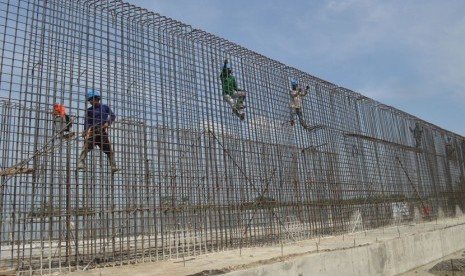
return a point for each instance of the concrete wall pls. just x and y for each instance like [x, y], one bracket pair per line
[389, 257]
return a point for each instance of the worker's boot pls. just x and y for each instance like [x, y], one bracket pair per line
[81, 165]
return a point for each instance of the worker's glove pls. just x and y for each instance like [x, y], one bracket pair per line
[307, 87]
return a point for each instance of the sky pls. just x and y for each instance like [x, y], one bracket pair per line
[406, 54]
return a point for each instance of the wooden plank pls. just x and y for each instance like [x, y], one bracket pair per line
[13, 171]
[7, 271]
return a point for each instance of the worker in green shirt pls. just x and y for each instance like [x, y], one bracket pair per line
[232, 95]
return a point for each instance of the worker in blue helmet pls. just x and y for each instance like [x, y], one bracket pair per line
[234, 96]
[99, 117]
[296, 94]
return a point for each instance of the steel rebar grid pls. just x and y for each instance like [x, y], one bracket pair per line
[194, 178]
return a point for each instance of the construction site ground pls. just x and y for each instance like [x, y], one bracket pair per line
[449, 265]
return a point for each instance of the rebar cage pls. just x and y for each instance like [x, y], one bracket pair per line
[195, 178]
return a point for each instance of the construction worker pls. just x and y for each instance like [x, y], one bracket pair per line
[417, 134]
[62, 121]
[297, 94]
[98, 118]
[232, 95]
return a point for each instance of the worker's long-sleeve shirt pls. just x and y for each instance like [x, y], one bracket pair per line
[99, 116]
[296, 97]
[228, 82]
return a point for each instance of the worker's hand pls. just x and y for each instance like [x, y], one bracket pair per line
[105, 126]
[307, 87]
[87, 133]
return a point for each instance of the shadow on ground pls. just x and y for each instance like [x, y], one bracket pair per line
[454, 266]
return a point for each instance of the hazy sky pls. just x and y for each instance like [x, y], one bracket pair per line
[407, 54]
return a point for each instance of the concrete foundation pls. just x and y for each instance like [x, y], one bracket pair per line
[386, 251]
[390, 257]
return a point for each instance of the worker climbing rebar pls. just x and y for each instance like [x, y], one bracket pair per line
[417, 134]
[62, 121]
[296, 94]
[234, 96]
[99, 117]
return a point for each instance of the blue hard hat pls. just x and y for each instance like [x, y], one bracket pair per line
[92, 93]
[294, 82]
